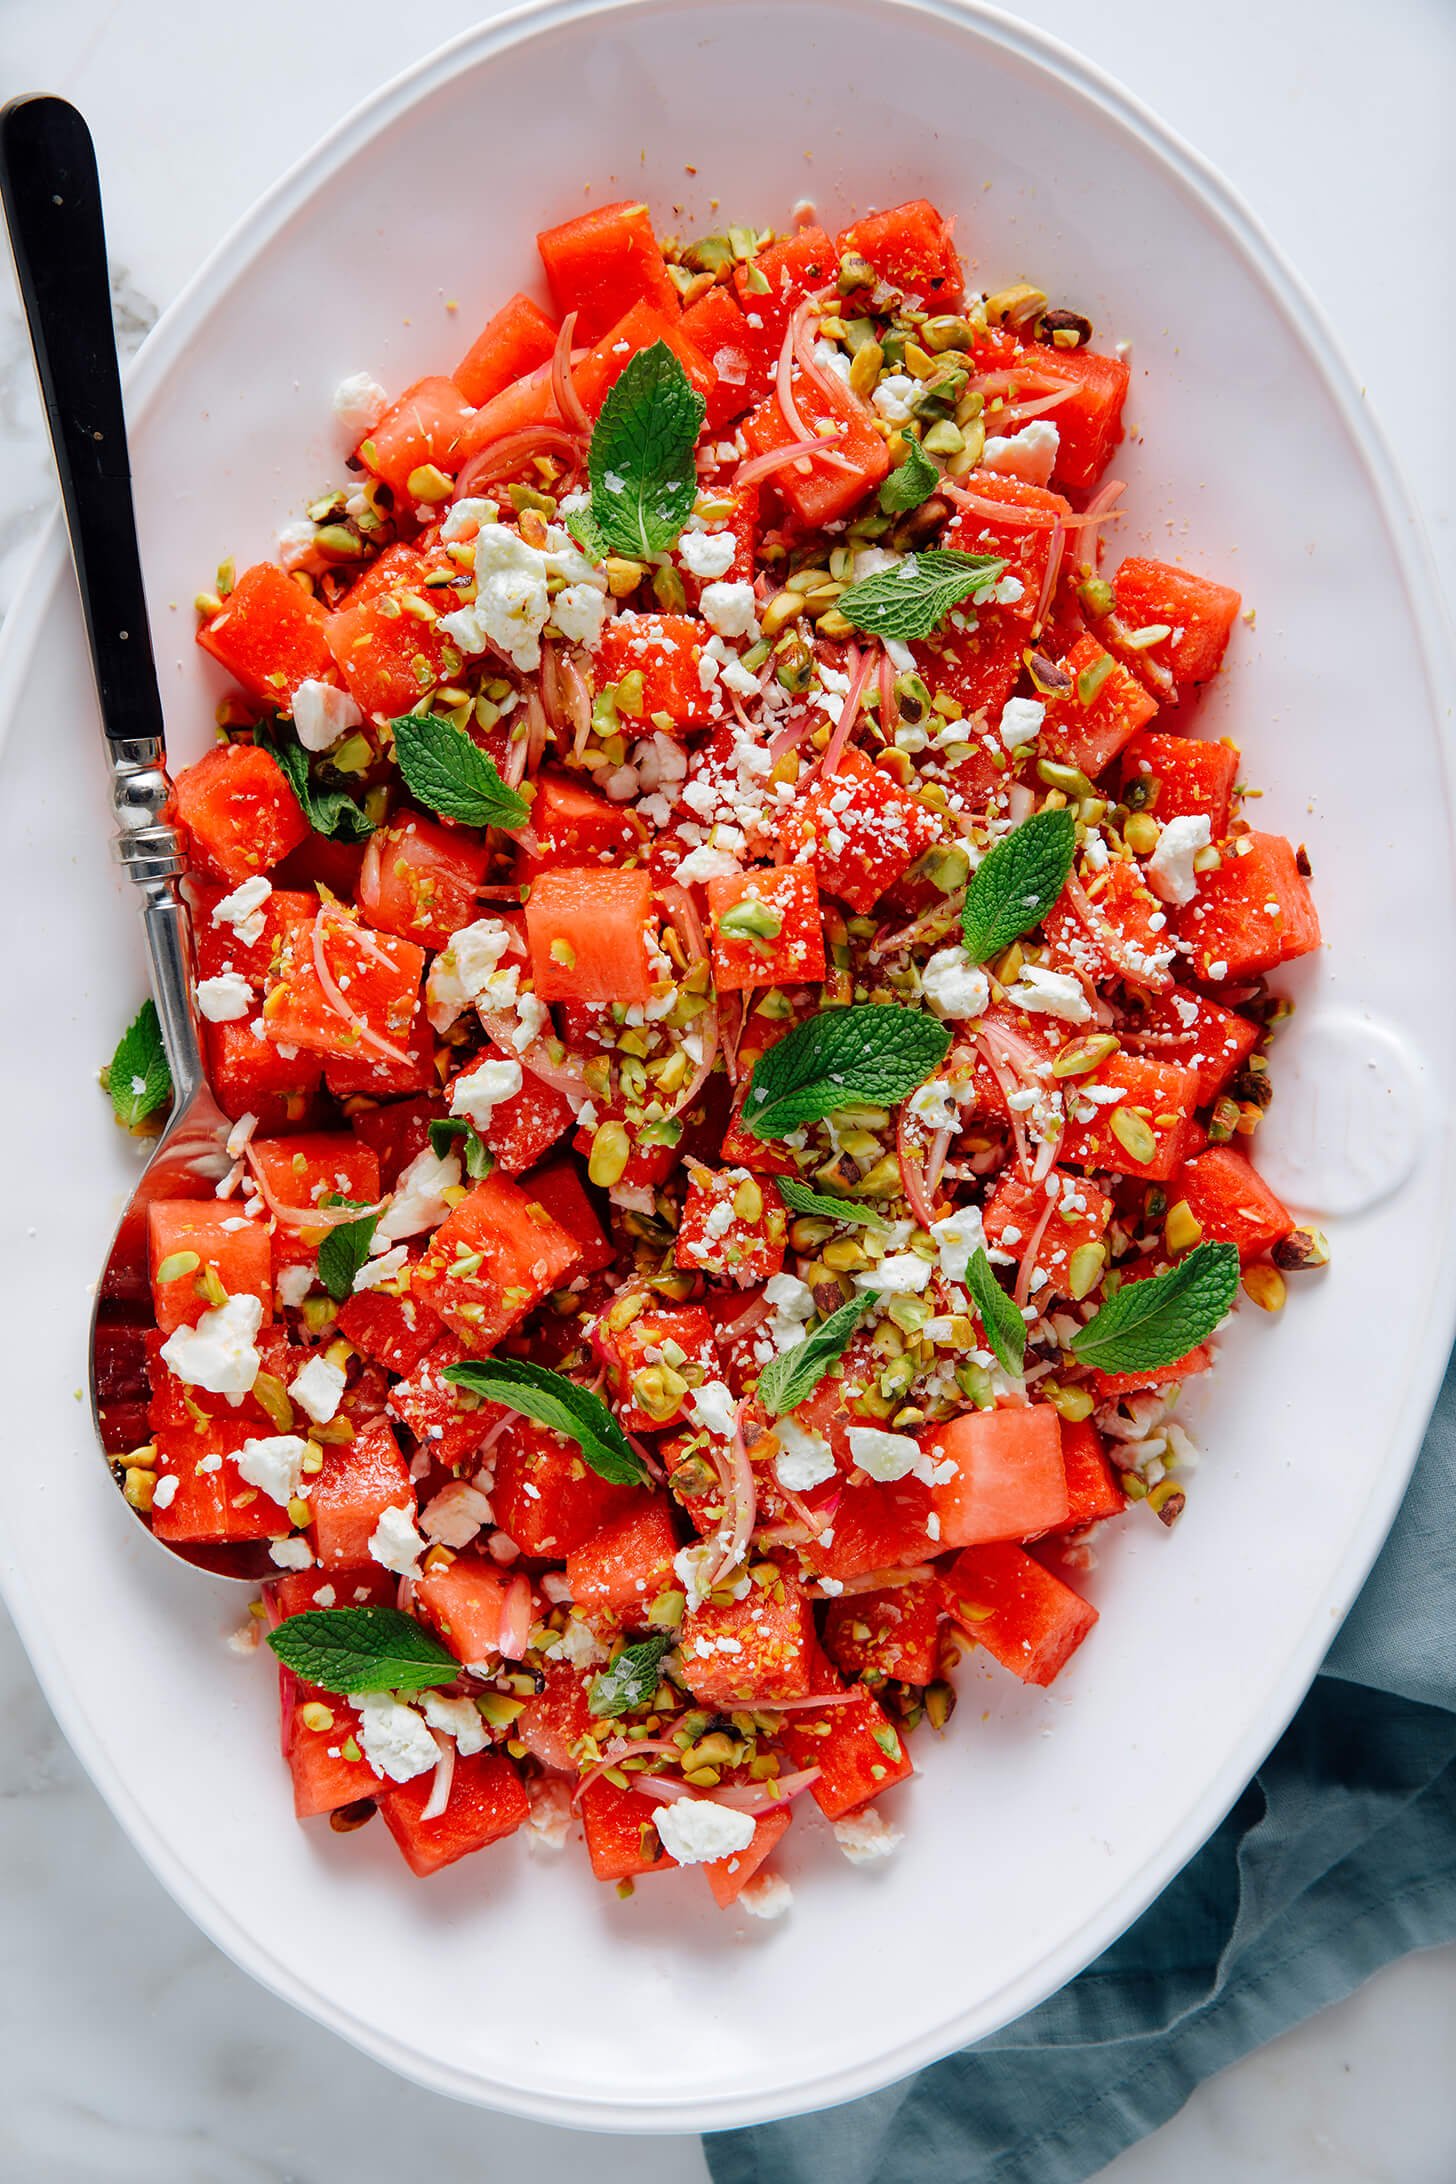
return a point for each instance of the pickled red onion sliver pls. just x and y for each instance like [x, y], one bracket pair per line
[861, 664]
[333, 993]
[911, 1176]
[515, 1621]
[508, 453]
[757, 467]
[302, 1217]
[439, 1796]
[563, 386]
[1027, 1268]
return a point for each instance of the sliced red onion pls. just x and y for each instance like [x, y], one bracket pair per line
[563, 386]
[439, 1796]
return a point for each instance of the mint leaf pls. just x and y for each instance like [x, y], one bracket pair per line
[1000, 1314]
[1147, 1325]
[630, 1680]
[915, 596]
[870, 1053]
[137, 1076]
[328, 811]
[344, 1250]
[791, 1378]
[362, 1649]
[803, 1200]
[1016, 883]
[553, 1400]
[479, 1159]
[910, 482]
[643, 477]
[447, 773]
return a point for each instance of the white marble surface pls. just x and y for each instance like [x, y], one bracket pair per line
[129, 2048]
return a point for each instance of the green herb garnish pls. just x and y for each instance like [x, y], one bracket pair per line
[640, 466]
[345, 1249]
[910, 482]
[1000, 1314]
[869, 1054]
[914, 597]
[448, 774]
[1149, 1324]
[630, 1680]
[553, 1400]
[328, 811]
[803, 1200]
[1016, 883]
[791, 1378]
[137, 1076]
[478, 1157]
[362, 1649]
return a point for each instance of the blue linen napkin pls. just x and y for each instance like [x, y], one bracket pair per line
[1340, 1855]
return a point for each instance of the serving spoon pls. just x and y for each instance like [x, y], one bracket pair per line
[52, 199]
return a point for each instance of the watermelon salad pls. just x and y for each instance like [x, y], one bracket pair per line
[742, 994]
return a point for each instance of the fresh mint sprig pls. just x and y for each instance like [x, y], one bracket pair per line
[913, 599]
[351, 1650]
[554, 1401]
[330, 811]
[1000, 1314]
[1147, 1325]
[791, 1378]
[630, 1680]
[448, 774]
[137, 1076]
[640, 465]
[1017, 882]
[870, 1053]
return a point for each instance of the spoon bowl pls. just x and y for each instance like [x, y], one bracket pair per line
[52, 198]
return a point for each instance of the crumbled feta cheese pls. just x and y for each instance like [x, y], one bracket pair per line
[512, 599]
[164, 1493]
[866, 1835]
[957, 1238]
[465, 517]
[243, 909]
[274, 1465]
[419, 1200]
[885, 1456]
[323, 714]
[1050, 993]
[394, 1738]
[477, 1095]
[463, 972]
[892, 397]
[396, 1543]
[1030, 454]
[578, 612]
[953, 985]
[805, 1460]
[730, 609]
[1170, 868]
[1021, 720]
[707, 554]
[712, 1407]
[548, 1823]
[218, 1353]
[317, 1388]
[579, 1645]
[934, 1105]
[898, 1272]
[694, 1829]
[457, 1718]
[359, 403]
[766, 1896]
[452, 1517]
[293, 1284]
[706, 863]
[225, 999]
[693, 1567]
[375, 1271]
[289, 1554]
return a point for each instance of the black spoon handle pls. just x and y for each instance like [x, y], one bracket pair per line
[52, 199]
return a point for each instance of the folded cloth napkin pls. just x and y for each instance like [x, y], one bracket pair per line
[1340, 1855]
